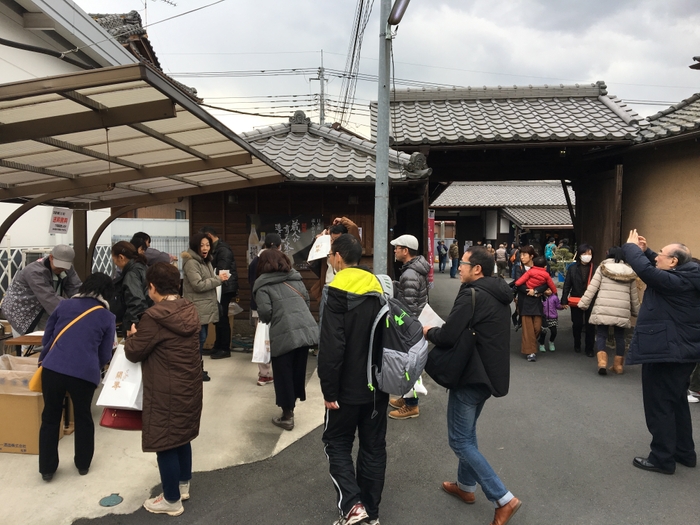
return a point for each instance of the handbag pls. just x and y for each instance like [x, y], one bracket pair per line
[446, 365]
[35, 381]
[573, 301]
[121, 419]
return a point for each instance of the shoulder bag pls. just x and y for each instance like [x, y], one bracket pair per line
[121, 419]
[35, 381]
[446, 365]
[573, 301]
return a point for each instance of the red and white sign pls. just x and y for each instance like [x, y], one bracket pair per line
[431, 246]
[60, 220]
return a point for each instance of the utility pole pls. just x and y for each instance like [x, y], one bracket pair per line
[322, 79]
[381, 188]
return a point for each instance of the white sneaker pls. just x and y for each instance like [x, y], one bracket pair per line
[184, 490]
[159, 505]
[693, 393]
[693, 399]
[532, 358]
[357, 514]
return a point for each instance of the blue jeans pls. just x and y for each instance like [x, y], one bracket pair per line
[175, 466]
[463, 409]
[203, 333]
[455, 265]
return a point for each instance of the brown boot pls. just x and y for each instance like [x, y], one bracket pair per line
[602, 362]
[617, 365]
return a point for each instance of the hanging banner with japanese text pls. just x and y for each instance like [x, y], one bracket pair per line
[431, 246]
[298, 234]
[60, 220]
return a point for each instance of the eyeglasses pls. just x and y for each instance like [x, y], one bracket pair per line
[663, 254]
[462, 263]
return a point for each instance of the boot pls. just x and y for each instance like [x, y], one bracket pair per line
[205, 375]
[617, 367]
[602, 362]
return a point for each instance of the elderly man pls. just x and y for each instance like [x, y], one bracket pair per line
[38, 288]
[667, 343]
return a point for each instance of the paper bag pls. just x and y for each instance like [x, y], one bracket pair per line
[320, 249]
[261, 344]
[123, 384]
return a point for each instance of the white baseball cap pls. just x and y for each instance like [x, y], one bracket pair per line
[409, 241]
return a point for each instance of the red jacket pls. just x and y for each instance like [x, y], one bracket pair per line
[535, 277]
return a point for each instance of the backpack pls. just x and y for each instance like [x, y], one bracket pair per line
[404, 350]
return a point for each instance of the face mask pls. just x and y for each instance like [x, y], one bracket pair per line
[586, 258]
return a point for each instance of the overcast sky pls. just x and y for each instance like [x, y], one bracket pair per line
[640, 48]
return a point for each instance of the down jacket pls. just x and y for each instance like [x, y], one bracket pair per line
[616, 286]
[283, 303]
[132, 290]
[222, 259]
[668, 325]
[167, 345]
[199, 286]
[412, 287]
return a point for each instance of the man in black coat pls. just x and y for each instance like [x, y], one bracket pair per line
[222, 259]
[666, 342]
[352, 303]
[487, 373]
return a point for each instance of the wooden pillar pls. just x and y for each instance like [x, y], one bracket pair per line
[82, 265]
[617, 233]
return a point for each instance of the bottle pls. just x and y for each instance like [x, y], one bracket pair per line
[253, 244]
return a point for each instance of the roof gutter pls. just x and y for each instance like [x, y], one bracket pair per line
[45, 51]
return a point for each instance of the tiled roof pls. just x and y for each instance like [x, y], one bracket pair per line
[680, 118]
[539, 216]
[502, 194]
[309, 151]
[509, 114]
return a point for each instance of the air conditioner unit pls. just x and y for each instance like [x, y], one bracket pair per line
[29, 255]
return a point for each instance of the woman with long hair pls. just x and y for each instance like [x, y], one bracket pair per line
[72, 358]
[166, 345]
[578, 276]
[199, 286]
[283, 303]
[130, 298]
[615, 284]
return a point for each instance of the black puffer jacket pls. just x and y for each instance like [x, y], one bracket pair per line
[352, 303]
[490, 364]
[668, 325]
[131, 288]
[412, 288]
[222, 259]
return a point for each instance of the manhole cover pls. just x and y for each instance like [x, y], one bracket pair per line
[111, 501]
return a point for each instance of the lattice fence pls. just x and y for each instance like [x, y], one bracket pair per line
[171, 244]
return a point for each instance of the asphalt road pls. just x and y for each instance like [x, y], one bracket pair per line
[562, 441]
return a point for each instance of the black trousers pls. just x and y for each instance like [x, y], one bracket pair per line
[54, 388]
[580, 320]
[222, 326]
[543, 334]
[365, 484]
[289, 371]
[665, 392]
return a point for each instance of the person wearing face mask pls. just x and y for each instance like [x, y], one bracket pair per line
[578, 277]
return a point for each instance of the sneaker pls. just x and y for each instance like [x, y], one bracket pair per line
[542, 348]
[532, 358]
[405, 412]
[551, 347]
[205, 376]
[373, 522]
[159, 505]
[184, 490]
[694, 393]
[221, 354]
[262, 381]
[357, 514]
[693, 399]
[397, 403]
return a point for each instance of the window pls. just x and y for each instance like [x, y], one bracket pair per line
[180, 214]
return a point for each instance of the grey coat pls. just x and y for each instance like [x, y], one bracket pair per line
[32, 292]
[412, 287]
[286, 310]
[199, 286]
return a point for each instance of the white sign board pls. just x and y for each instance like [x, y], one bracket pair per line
[60, 220]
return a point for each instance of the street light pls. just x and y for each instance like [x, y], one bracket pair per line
[397, 12]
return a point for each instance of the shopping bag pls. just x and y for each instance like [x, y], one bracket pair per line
[123, 384]
[261, 344]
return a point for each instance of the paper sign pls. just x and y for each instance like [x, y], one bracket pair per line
[60, 220]
[428, 317]
[320, 249]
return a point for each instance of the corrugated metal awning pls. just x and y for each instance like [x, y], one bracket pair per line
[118, 136]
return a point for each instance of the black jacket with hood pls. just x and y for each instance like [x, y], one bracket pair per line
[352, 303]
[222, 259]
[489, 364]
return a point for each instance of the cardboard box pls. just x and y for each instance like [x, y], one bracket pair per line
[20, 408]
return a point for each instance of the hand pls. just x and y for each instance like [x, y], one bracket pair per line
[331, 405]
[426, 329]
[530, 292]
[633, 237]
[338, 220]
[224, 276]
[565, 306]
[642, 243]
[132, 331]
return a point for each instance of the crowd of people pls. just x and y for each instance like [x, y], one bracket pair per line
[163, 319]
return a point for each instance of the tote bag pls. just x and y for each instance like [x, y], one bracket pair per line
[123, 384]
[261, 344]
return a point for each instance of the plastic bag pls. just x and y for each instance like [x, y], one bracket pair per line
[123, 384]
[261, 344]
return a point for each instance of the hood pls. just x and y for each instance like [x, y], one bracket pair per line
[494, 286]
[95, 296]
[275, 278]
[191, 254]
[179, 316]
[418, 264]
[351, 287]
[617, 271]
[690, 271]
